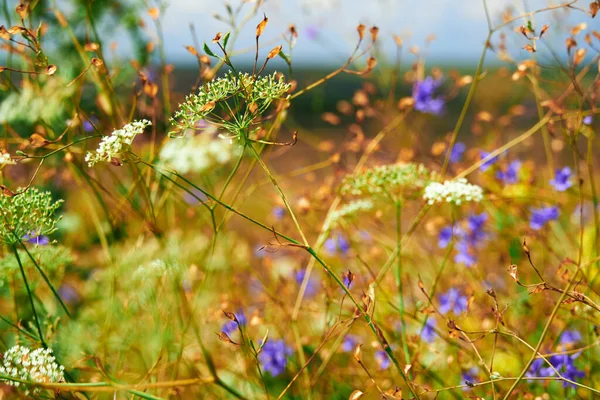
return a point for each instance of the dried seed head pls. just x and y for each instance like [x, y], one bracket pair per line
[261, 26]
[361, 31]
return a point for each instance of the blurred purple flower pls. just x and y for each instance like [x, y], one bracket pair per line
[457, 152]
[445, 237]
[423, 92]
[311, 32]
[570, 337]
[588, 120]
[428, 334]
[540, 216]
[464, 255]
[563, 363]
[88, 124]
[510, 176]
[383, 360]
[231, 326]
[38, 240]
[486, 165]
[335, 243]
[453, 300]
[469, 376]
[476, 228]
[278, 212]
[349, 343]
[311, 286]
[195, 197]
[274, 356]
[68, 293]
[562, 179]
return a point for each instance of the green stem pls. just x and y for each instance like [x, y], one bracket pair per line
[30, 295]
[399, 280]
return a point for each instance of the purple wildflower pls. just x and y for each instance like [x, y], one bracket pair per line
[476, 228]
[88, 124]
[510, 176]
[383, 360]
[423, 95]
[311, 32]
[588, 120]
[457, 152]
[337, 243]
[278, 212]
[464, 255]
[540, 216]
[349, 343]
[231, 326]
[428, 334]
[194, 198]
[486, 165]
[311, 286]
[562, 179]
[453, 300]
[570, 337]
[274, 356]
[38, 240]
[469, 376]
[68, 293]
[563, 363]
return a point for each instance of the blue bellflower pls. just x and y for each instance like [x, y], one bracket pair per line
[383, 360]
[349, 343]
[274, 356]
[230, 326]
[423, 95]
[541, 216]
[563, 363]
[486, 165]
[337, 243]
[457, 152]
[511, 175]
[453, 300]
[428, 334]
[38, 240]
[562, 179]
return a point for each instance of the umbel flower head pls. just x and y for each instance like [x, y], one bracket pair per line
[30, 214]
[394, 179]
[38, 365]
[249, 95]
[5, 159]
[117, 143]
[455, 192]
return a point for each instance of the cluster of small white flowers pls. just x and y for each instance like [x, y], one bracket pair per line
[352, 208]
[118, 141]
[153, 270]
[31, 365]
[198, 153]
[456, 192]
[5, 159]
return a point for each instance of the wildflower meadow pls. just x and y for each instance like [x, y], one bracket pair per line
[302, 204]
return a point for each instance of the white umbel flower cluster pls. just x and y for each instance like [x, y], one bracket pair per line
[456, 192]
[352, 208]
[198, 153]
[31, 365]
[117, 143]
[5, 159]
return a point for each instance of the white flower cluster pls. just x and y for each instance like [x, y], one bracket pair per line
[154, 270]
[31, 365]
[5, 159]
[198, 153]
[118, 141]
[456, 192]
[352, 208]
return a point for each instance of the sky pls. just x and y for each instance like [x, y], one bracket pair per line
[460, 26]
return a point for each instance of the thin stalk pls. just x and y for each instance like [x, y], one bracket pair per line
[30, 296]
[399, 281]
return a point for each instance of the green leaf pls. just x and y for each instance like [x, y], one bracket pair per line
[226, 39]
[208, 51]
[285, 58]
